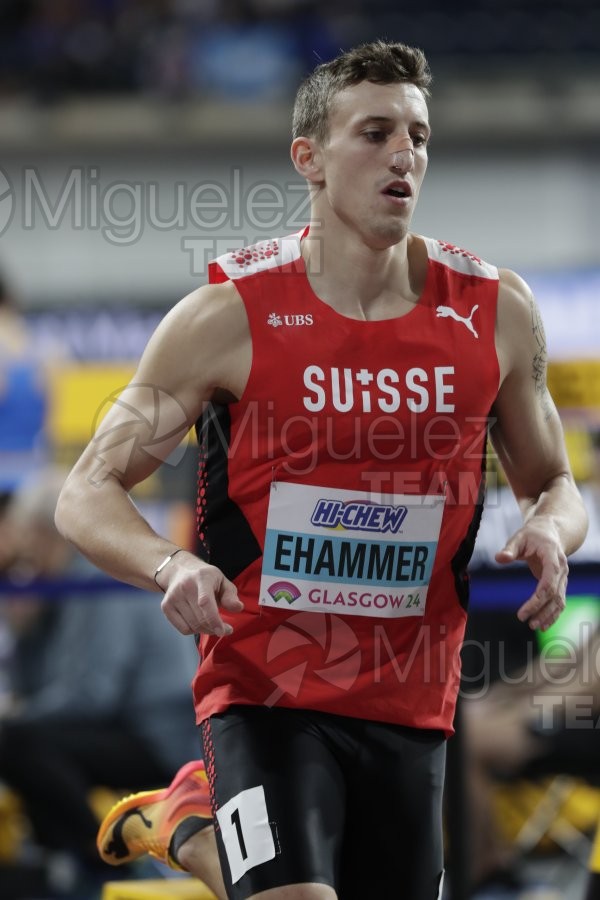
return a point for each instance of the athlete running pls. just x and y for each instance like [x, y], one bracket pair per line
[345, 380]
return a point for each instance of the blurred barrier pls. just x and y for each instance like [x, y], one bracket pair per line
[61, 588]
[156, 889]
[490, 588]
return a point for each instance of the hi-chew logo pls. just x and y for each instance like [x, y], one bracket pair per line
[284, 590]
[357, 515]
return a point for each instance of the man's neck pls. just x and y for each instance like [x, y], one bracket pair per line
[359, 281]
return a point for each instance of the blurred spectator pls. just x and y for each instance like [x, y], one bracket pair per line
[23, 401]
[100, 688]
[543, 720]
[58, 47]
[245, 61]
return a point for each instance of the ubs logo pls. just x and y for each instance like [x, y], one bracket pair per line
[276, 320]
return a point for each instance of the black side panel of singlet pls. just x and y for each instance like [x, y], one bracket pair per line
[461, 558]
[225, 536]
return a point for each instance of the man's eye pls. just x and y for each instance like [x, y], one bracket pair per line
[375, 136]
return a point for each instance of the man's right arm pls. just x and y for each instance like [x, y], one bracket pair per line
[201, 350]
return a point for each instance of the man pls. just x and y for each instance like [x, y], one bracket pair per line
[353, 371]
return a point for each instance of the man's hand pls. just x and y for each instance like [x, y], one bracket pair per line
[538, 544]
[194, 592]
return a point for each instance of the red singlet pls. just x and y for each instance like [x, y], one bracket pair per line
[342, 492]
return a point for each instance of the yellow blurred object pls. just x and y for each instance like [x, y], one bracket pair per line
[575, 384]
[12, 825]
[594, 865]
[81, 395]
[157, 889]
[580, 452]
[555, 811]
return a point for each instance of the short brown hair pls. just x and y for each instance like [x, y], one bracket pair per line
[380, 62]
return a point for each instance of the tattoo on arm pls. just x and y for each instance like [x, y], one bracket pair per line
[540, 360]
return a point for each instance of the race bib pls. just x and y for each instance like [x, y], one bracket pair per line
[349, 552]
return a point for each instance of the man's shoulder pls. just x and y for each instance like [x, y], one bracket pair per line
[204, 325]
[210, 302]
[516, 304]
[514, 286]
[458, 259]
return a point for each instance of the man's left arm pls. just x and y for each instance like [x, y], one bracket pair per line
[528, 438]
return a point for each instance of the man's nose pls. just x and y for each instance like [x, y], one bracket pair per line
[402, 155]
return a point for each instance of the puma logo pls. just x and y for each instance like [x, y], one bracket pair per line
[444, 311]
[117, 846]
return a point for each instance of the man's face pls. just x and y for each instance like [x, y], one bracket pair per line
[362, 185]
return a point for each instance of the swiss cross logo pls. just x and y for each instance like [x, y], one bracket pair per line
[292, 319]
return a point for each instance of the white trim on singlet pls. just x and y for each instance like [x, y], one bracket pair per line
[459, 260]
[275, 252]
[260, 257]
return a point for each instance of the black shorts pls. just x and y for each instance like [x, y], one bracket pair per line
[303, 796]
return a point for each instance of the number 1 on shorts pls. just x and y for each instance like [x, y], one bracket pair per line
[246, 832]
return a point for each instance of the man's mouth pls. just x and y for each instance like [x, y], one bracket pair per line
[400, 189]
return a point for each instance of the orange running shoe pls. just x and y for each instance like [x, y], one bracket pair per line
[145, 822]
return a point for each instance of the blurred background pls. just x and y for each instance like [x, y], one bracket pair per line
[140, 139]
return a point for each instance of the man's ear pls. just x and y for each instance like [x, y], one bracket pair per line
[306, 157]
